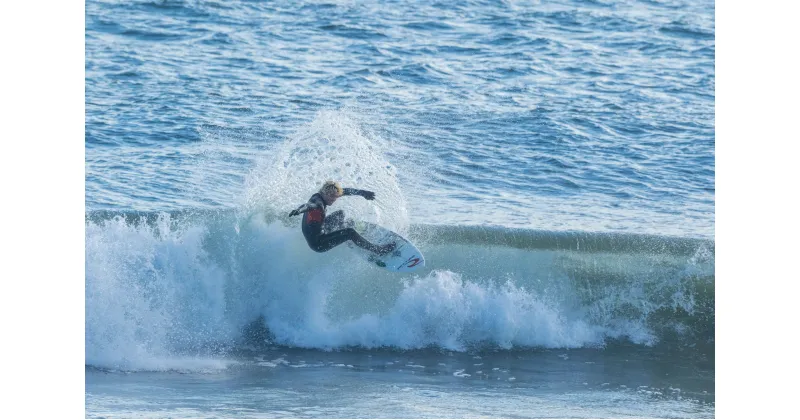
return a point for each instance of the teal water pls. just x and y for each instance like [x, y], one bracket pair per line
[554, 161]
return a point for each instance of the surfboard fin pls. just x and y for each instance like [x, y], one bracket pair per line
[373, 258]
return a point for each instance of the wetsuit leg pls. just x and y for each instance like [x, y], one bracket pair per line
[333, 221]
[329, 240]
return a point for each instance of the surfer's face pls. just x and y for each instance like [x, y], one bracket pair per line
[329, 198]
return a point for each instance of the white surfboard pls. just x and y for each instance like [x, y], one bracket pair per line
[405, 257]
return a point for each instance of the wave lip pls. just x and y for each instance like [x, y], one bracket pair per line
[561, 240]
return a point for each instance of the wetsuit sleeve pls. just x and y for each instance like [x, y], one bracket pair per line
[310, 205]
[369, 195]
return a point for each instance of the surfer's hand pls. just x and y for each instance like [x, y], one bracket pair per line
[293, 213]
[369, 195]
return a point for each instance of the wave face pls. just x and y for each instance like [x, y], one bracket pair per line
[184, 289]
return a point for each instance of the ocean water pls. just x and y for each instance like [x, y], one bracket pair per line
[553, 160]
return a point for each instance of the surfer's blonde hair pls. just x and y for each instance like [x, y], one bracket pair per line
[331, 188]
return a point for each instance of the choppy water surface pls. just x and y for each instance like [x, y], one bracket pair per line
[579, 115]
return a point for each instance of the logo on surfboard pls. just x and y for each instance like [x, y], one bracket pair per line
[411, 262]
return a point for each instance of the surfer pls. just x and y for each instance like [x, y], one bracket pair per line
[323, 233]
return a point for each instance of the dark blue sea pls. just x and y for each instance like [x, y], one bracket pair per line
[553, 160]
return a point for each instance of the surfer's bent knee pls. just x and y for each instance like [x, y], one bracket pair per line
[315, 245]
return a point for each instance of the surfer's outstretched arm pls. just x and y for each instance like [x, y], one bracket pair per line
[369, 195]
[304, 208]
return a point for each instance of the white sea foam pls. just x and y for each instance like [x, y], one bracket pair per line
[161, 291]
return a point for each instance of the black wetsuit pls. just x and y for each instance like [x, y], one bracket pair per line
[323, 233]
